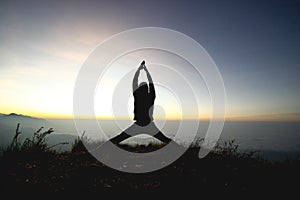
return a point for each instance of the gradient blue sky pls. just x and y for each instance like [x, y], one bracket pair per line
[255, 44]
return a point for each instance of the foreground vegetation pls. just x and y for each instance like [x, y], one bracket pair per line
[33, 166]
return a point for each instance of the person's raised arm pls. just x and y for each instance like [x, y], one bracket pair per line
[136, 78]
[148, 75]
[151, 85]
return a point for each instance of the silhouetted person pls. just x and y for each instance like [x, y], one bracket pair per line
[144, 97]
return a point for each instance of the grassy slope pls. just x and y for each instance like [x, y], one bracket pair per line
[223, 170]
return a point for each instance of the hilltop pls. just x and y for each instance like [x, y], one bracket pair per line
[39, 170]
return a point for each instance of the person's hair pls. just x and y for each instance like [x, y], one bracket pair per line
[143, 88]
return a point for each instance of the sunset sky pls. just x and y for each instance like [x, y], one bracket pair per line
[255, 44]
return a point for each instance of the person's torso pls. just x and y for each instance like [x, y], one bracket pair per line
[143, 107]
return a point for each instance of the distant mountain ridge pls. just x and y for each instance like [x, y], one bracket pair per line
[19, 115]
[8, 122]
[13, 119]
[28, 125]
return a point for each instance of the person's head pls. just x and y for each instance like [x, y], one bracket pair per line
[143, 88]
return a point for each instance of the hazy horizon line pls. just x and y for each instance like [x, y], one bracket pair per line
[285, 117]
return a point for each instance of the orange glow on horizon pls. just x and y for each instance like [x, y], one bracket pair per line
[203, 117]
